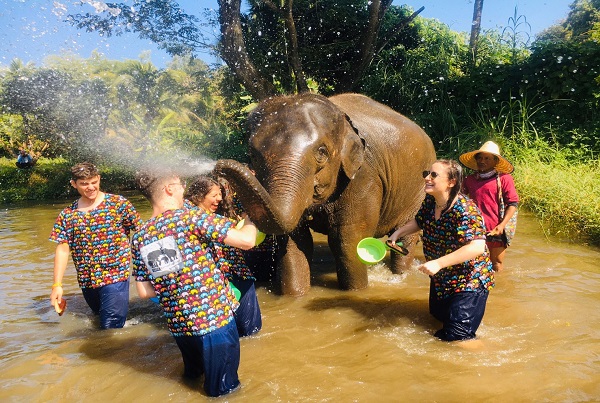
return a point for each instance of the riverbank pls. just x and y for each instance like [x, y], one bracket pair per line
[564, 194]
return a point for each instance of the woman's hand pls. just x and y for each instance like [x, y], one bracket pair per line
[430, 268]
[409, 228]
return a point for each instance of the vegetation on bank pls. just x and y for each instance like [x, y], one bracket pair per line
[563, 193]
[49, 180]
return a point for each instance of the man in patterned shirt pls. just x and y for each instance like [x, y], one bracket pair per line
[95, 231]
[172, 262]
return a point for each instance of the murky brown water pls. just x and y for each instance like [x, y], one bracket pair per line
[539, 341]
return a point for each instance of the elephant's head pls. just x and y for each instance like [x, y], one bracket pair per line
[302, 148]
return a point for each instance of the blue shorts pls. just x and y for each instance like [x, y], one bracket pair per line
[247, 317]
[216, 355]
[111, 302]
[461, 313]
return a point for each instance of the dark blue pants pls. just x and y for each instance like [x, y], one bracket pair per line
[111, 302]
[216, 355]
[247, 317]
[461, 313]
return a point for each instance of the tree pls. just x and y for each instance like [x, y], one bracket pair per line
[178, 33]
[475, 28]
[56, 108]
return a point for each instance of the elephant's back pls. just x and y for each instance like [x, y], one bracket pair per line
[397, 150]
[377, 122]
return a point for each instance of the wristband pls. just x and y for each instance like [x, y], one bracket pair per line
[57, 285]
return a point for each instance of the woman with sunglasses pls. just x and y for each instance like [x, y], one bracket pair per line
[457, 259]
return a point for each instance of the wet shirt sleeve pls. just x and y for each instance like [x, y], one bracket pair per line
[509, 191]
[130, 218]
[60, 230]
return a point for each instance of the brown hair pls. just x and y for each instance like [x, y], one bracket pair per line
[454, 171]
[150, 182]
[227, 205]
[199, 188]
[84, 170]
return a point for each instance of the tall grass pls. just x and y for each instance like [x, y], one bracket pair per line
[559, 184]
[563, 192]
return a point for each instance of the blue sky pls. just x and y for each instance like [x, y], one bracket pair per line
[33, 29]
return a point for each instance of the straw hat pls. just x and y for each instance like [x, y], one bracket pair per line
[503, 166]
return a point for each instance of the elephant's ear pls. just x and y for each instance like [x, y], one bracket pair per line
[353, 150]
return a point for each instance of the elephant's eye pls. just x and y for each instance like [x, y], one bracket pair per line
[322, 155]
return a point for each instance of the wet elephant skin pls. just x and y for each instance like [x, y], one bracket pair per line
[345, 166]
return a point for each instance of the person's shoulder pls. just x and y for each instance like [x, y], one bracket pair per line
[70, 208]
[506, 177]
[467, 203]
[464, 199]
[116, 198]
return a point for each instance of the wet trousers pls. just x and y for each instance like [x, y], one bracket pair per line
[461, 313]
[247, 317]
[110, 302]
[216, 355]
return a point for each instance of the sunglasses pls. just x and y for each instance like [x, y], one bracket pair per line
[432, 173]
[182, 183]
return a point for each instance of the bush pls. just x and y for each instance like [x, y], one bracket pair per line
[49, 180]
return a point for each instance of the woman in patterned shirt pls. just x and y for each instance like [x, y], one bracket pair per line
[215, 196]
[457, 259]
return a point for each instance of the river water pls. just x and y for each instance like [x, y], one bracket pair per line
[539, 340]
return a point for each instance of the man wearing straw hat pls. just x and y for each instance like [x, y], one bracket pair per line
[493, 190]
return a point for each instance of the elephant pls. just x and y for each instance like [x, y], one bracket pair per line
[344, 166]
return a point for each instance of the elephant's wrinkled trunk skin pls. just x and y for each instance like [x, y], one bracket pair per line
[255, 199]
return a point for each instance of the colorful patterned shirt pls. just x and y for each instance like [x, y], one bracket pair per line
[98, 240]
[230, 259]
[456, 227]
[170, 250]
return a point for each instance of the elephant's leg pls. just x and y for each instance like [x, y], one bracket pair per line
[401, 263]
[351, 272]
[294, 257]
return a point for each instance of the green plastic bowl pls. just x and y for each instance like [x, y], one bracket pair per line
[371, 250]
[236, 291]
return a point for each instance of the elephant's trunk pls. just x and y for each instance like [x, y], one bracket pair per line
[255, 199]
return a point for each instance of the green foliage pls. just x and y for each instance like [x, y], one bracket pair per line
[62, 111]
[329, 34]
[114, 112]
[561, 191]
[49, 180]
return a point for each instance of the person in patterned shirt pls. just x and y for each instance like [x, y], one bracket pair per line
[215, 196]
[457, 258]
[95, 231]
[172, 261]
